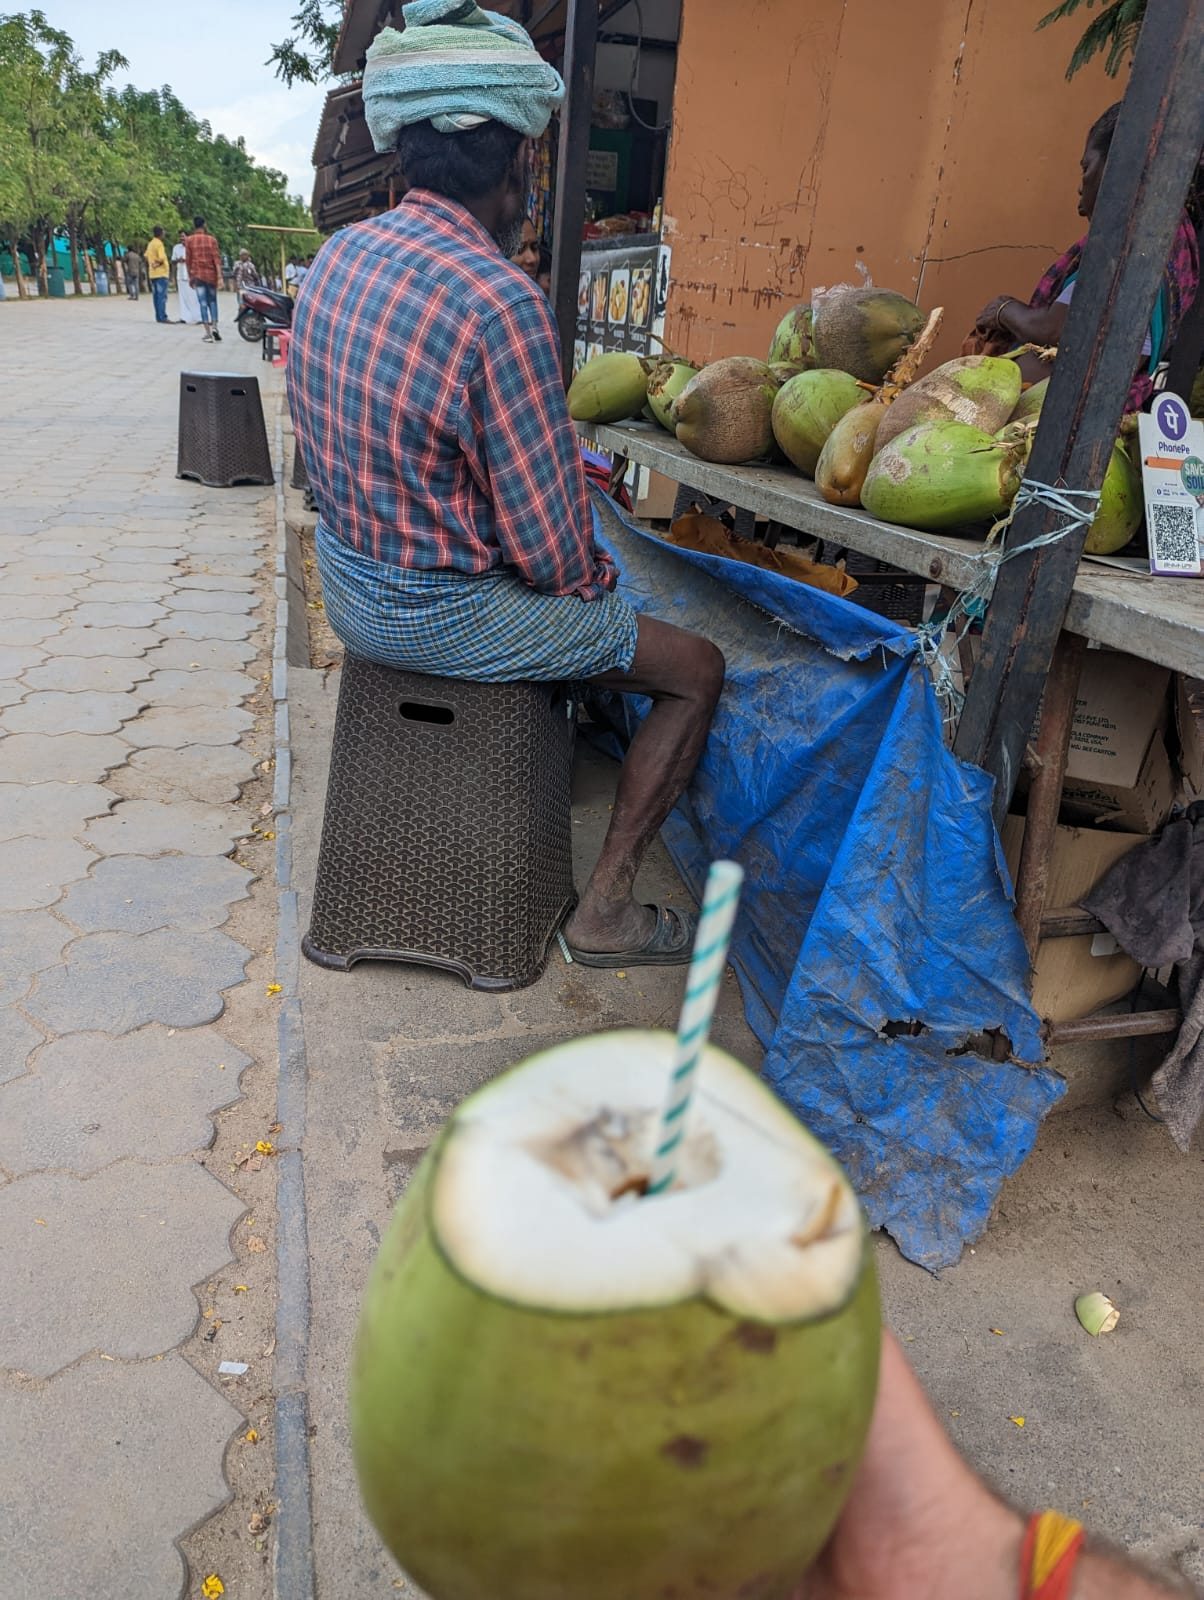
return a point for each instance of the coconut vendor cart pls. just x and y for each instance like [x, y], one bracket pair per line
[901, 1028]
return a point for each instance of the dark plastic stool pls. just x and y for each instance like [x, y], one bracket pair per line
[447, 834]
[222, 439]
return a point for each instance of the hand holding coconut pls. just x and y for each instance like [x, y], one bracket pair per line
[610, 1351]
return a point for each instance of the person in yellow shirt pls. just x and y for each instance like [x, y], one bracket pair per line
[158, 270]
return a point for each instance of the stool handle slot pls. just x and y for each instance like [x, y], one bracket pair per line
[418, 711]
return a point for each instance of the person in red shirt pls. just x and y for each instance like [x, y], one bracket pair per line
[205, 274]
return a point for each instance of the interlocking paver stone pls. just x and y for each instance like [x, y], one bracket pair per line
[115, 593]
[224, 654]
[14, 605]
[17, 1040]
[102, 1521]
[50, 810]
[203, 686]
[123, 572]
[127, 614]
[91, 1100]
[206, 625]
[34, 583]
[116, 982]
[84, 711]
[11, 691]
[31, 630]
[17, 659]
[176, 726]
[73, 757]
[34, 872]
[211, 580]
[30, 941]
[77, 641]
[212, 773]
[234, 566]
[132, 554]
[114, 674]
[213, 600]
[35, 562]
[132, 894]
[116, 1255]
[150, 827]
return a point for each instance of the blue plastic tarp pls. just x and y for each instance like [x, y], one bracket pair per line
[875, 891]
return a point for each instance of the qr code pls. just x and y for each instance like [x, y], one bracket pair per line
[1174, 545]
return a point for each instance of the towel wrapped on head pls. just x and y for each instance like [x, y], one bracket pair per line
[456, 66]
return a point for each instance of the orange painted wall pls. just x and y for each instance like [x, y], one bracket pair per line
[819, 141]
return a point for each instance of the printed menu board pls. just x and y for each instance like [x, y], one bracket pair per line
[621, 297]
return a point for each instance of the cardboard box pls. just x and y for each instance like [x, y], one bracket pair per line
[1070, 981]
[1121, 704]
[655, 496]
[1140, 807]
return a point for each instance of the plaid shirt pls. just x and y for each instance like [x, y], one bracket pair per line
[204, 261]
[425, 389]
[246, 275]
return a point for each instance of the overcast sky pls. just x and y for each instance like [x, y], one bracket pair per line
[212, 55]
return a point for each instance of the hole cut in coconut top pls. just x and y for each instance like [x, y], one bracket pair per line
[538, 1190]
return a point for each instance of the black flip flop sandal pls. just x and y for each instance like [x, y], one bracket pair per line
[669, 945]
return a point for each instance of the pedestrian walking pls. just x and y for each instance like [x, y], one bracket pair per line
[204, 262]
[190, 306]
[158, 270]
[132, 263]
[246, 273]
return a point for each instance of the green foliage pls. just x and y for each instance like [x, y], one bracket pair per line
[77, 153]
[1114, 30]
[306, 55]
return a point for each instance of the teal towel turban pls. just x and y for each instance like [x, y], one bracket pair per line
[456, 66]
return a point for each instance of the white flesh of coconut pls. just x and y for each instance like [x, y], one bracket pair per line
[537, 1196]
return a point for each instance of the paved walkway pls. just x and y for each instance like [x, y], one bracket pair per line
[130, 639]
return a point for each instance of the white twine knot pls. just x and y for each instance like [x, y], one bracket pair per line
[970, 606]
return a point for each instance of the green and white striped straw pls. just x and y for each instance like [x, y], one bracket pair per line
[719, 904]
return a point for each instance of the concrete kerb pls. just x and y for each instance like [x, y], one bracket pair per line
[293, 1563]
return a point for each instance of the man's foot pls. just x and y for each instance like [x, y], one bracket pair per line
[217, 336]
[206, 337]
[663, 937]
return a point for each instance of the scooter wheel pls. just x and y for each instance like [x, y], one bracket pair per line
[252, 328]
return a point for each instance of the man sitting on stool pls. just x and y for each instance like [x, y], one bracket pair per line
[455, 533]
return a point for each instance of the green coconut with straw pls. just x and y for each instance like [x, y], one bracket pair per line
[621, 1338]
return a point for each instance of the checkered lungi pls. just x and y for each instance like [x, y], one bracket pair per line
[491, 627]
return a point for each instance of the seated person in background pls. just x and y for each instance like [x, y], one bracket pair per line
[455, 532]
[526, 257]
[544, 276]
[1007, 322]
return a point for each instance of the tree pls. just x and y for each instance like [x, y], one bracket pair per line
[306, 56]
[81, 158]
[1114, 30]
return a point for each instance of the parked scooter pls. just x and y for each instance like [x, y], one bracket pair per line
[262, 309]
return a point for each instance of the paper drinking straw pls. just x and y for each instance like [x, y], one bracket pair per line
[719, 903]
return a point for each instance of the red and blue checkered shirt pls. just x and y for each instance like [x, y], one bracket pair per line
[425, 388]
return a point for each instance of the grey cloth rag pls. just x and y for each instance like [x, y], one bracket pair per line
[1152, 902]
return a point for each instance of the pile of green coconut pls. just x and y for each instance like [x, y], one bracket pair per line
[841, 398]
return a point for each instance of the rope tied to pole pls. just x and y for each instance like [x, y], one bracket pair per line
[1078, 506]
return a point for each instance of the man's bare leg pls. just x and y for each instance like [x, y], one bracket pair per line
[683, 675]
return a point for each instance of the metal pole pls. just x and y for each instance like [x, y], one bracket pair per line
[580, 41]
[1153, 156]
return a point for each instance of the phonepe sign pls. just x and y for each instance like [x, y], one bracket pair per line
[1173, 419]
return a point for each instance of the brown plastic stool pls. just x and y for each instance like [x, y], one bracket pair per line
[447, 834]
[222, 437]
